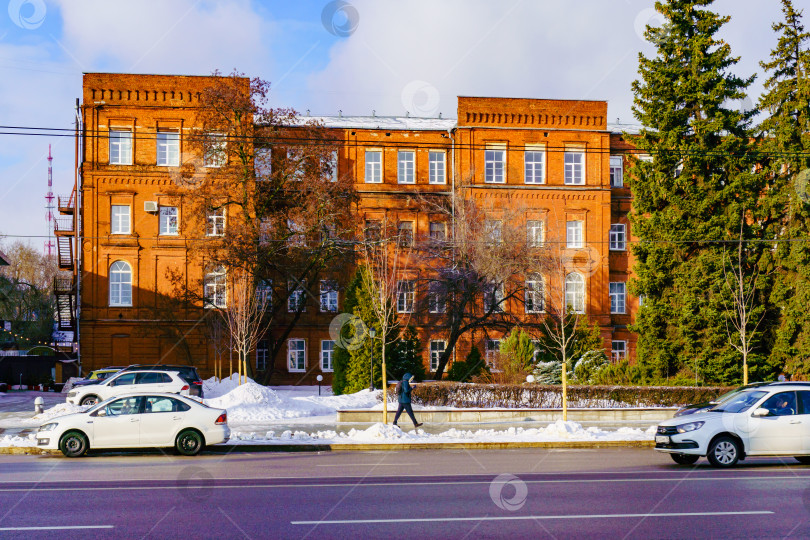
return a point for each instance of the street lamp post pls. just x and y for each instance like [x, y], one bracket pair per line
[371, 333]
[319, 378]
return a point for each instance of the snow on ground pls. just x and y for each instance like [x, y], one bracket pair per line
[388, 434]
[15, 440]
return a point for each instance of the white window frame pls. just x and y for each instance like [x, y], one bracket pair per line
[618, 297]
[215, 222]
[575, 292]
[168, 148]
[574, 162]
[405, 233]
[437, 348]
[493, 231]
[333, 162]
[439, 227]
[297, 237]
[575, 234]
[215, 288]
[120, 220]
[296, 355]
[327, 355]
[492, 348]
[120, 284]
[216, 147]
[264, 294]
[617, 237]
[535, 296]
[437, 167]
[616, 171]
[534, 170]
[263, 163]
[437, 301]
[406, 167]
[494, 298]
[296, 297]
[618, 350]
[406, 296]
[120, 147]
[169, 221]
[329, 296]
[535, 233]
[373, 168]
[495, 164]
[262, 355]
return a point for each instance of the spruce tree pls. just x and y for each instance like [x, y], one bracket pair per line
[689, 198]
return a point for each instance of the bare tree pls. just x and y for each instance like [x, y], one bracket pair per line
[243, 316]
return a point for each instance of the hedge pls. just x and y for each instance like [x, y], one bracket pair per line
[511, 396]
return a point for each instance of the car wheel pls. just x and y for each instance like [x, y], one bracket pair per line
[804, 460]
[724, 452]
[684, 459]
[73, 444]
[189, 442]
[89, 400]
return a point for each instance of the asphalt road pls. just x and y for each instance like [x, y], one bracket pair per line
[612, 493]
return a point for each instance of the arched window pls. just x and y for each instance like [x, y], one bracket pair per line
[575, 292]
[120, 284]
[216, 289]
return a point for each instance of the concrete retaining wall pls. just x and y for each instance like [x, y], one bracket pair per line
[506, 415]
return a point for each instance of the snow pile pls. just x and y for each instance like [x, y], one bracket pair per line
[248, 393]
[16, 440]
[69, 384]
[213, 388]
[59, 410]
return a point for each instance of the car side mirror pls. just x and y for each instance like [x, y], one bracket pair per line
[762, 412]
[100, 412]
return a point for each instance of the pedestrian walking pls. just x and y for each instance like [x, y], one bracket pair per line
[404, 389]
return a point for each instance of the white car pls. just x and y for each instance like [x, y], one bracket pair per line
[762, 421]
[137, 421]
[126, 382]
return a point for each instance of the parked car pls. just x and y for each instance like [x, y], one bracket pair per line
[98, 375]
[768, 420]
[706, 405]
[137, 421]
[188, 373]
[125, 382]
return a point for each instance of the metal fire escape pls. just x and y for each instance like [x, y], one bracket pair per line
[64, 284]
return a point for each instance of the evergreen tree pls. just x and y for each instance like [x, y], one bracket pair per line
[689, 198]
[407, 357]
[341, 356]
[471, 366]
[786, 139]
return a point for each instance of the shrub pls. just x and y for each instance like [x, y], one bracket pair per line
[473, 366]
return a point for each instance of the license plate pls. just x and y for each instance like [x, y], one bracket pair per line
[662, 439]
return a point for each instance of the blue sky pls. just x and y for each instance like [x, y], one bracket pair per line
[390, 56]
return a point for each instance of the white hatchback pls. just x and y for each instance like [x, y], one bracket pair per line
[126, 382]
[137, 421]
[763, 421]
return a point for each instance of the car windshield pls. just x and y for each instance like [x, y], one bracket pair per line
[740, 402]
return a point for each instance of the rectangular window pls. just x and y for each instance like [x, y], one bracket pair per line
[493, 350]
[262, 354]
[493, 298]
[405, 231]
[437, 348]
[333, 166]
[493, 231]
[405, 297]
[168, 148]
[216, 222]
[616, 171]
[373, 230]
[538, 350]
[436, 165]
[327, 352]
[495, 165]
[618, 296]
[329, 296]
[535, 233]
[535, 294]
[297, 236]
[575, 168]
[618, 237]
[168, 220]
[534, 160]
[264, 295]
[574, 235]
[297, 355]
[405, 166]
[438, 231]
[437, 298]
[215, 288]
[297, 297]
[120, 147]
[618, 350]
[263, 164]
[373, 167]
[215, 150]
[119, 219]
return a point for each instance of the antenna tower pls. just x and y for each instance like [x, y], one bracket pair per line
[49, 207]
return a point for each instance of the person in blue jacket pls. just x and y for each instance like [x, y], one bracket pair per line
[406, 386]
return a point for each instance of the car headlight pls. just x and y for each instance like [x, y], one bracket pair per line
[48, 427]
[691, 426]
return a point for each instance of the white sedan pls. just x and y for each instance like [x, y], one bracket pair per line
[137, 421]
[763, 421]
[126, 382]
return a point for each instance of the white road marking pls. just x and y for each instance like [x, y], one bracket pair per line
[57, 528]
[368, 465]
[517, 518]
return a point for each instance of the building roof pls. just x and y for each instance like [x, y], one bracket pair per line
[4, 260]
[404, 123]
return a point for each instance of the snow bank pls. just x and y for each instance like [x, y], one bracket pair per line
[16, 440]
